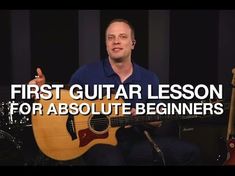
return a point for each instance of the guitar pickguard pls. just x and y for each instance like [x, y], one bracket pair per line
[86, 136]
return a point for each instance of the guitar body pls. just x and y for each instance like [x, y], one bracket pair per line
[68, 136]
[65, 137]
[231, 153]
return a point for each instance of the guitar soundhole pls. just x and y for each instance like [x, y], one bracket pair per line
[99, 123]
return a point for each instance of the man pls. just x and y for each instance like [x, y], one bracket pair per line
[133, 147]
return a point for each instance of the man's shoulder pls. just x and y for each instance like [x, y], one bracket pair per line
[145, 72]
[87, 72]
[89, 69]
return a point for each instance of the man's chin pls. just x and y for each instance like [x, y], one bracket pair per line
[117, 59]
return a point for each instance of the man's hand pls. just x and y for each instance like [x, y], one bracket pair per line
[133, 113]
[39, 79]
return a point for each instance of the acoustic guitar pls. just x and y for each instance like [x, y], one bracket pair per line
[65, 137]
[231, 127]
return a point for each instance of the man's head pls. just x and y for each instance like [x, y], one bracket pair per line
[120, 39]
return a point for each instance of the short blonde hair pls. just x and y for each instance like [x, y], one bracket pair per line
[124, 21]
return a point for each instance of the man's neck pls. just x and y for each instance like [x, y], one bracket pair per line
[123, 69]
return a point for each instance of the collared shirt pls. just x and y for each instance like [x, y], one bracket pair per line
[101, 72]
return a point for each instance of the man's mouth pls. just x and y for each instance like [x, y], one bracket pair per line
[116, 49]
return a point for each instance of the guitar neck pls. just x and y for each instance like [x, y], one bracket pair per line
[134, 120]
[231, 125]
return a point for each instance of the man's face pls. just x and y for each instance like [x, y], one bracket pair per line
[118, 41]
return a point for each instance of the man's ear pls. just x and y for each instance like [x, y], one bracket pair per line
[133, 42]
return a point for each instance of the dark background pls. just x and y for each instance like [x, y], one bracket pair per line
[180, 46]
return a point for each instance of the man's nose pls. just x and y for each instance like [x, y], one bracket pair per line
[116, 40]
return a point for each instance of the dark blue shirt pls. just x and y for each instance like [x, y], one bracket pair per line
[101, 72]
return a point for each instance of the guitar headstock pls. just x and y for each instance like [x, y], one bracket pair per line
[233, 80]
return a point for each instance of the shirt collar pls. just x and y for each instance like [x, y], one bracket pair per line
[108, 70]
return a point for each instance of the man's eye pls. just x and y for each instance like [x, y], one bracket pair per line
[123, 36]
[110, 38]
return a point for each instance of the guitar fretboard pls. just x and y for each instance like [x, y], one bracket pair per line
[133, 120]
